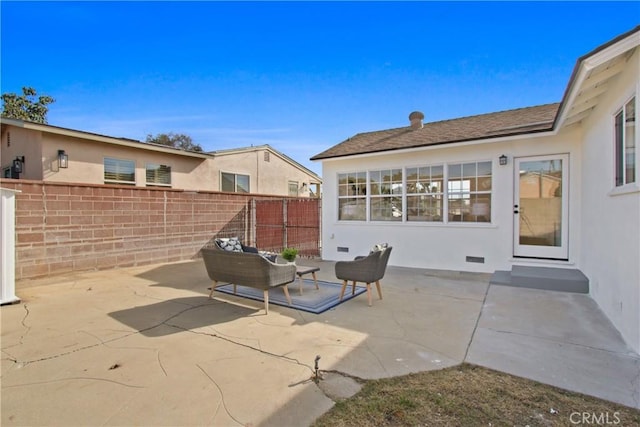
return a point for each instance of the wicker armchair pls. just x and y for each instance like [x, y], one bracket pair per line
[367, 269]
[247, 269]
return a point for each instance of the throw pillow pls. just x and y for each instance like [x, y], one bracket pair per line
[268, 255]
[232, 244]
[249, 249]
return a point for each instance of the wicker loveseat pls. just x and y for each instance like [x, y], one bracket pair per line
[247, 269]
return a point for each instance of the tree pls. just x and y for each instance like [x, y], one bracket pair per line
[175, 140]
[26, 106]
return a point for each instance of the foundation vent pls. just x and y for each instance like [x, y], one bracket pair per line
[343, 249]
[476, 259]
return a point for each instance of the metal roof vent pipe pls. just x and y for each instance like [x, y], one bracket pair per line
[416, 120]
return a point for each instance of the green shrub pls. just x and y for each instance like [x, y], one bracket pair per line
[289, 254]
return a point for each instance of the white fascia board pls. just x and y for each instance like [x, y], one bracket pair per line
[612, 51]
[589, 64]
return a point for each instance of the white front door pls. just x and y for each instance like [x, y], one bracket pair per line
[540, 210]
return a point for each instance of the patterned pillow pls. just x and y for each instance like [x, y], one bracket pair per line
[232, 244]
[379, 247]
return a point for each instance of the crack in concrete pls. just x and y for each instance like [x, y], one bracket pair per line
[166, 322]
[557, 341]
[475, 327]
[384, 368]
[160, 363]
[66, 353]
[70, 379]
[344, 374]
[259, 350]
[224, 404]
[21, 340]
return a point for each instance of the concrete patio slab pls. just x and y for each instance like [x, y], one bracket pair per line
[557, 338]
[145, 346]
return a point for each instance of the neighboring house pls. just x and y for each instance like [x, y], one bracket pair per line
[51, 153]
[554, 185]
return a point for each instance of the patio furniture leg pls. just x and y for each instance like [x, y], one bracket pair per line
[213, 288]
[353, 288]
[315, 279]
[344, 286]
[266, 302]
[286, 294]
[378, 287]
[369, 293]
[301, 282]
[234, 288]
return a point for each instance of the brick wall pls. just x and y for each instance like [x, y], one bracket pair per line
[63, 227]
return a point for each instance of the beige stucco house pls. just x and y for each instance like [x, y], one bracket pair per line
[51, 153]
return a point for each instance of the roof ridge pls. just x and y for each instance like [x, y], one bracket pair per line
[495, 112]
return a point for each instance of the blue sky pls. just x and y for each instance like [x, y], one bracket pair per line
[300, 76]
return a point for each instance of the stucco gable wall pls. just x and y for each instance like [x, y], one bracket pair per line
[440, 246]
[611, 222]
[268, 175]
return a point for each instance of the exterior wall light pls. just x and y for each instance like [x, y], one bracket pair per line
[18, 164]
[503, 160]
[63, 159]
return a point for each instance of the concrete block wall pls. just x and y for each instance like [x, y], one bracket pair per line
[63, 227]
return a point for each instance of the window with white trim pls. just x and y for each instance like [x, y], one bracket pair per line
[385, 195]
[159, 175]
[425, 191]
[625, 144]
[352, 196]
[118, 171]
[469, 192]
[234, 183]
[453, 193]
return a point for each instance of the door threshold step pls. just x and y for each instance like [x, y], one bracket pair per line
[545, 278]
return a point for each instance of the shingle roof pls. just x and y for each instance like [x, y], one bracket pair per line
[492, 125]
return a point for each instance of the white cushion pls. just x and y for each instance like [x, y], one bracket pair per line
[379, 247]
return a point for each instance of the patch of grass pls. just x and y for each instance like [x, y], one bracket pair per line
[469, 395]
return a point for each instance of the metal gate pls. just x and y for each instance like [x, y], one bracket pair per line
[283, 223]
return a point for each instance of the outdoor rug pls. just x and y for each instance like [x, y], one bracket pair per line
[312, 300]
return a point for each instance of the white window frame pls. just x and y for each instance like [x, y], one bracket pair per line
[118, 163]
[235, 182]
[431, 191]
[354, 192]
[385, 193]
[471, 193]
[155, 171]
[625, 144]
[482, 188]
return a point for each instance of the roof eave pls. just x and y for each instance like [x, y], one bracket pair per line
[585, 63]
[456, 143]
[102, 138]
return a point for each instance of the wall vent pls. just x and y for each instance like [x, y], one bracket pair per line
[478, 259]
[343, 249]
